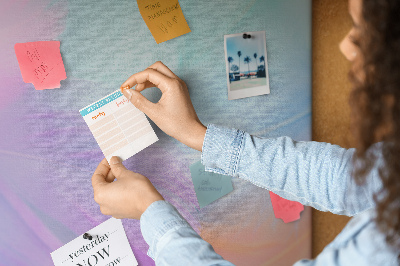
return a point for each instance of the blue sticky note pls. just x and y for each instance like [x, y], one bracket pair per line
[209, 186]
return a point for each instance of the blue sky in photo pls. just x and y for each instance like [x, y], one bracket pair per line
[256, 44]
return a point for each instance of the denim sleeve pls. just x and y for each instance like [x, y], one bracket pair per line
[312, 173]
[172, 241]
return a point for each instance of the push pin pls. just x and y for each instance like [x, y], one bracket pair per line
[246, 36]
[87, 236]
[125, 88]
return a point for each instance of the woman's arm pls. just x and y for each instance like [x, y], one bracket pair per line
[315, 174]
[312, 173]
[172, 241]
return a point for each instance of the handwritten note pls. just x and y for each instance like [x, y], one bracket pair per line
[108, 246]
[118, 126]
[209, 186]
[41, 63]
[284, 209]
[164, 18]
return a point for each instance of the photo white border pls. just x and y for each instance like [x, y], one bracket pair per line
[248, 92]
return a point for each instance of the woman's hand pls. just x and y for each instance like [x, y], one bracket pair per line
[127, 197]
[174, 112]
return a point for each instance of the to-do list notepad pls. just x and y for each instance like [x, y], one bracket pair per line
[118, 126]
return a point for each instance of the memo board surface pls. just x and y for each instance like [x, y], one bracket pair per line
[48, 155]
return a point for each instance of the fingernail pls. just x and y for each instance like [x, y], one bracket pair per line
[127, 93]
[115, 160]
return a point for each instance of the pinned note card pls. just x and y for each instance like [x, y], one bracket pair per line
[41, 63]
[209, 186]
[246, 64]
[118, 126]
[164, 18]
[107, 245]
[284, 209]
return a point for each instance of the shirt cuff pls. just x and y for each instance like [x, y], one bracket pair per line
[159, 218]
[221, 150]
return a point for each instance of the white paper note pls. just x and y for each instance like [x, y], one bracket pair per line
[108, 247]
[118, 126]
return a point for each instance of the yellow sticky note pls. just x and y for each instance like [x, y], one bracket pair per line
[164, 19]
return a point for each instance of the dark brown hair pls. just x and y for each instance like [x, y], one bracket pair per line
[375, 102]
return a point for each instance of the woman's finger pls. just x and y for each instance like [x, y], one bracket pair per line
[159, 80]
[100, 174]
[160, 67]
[110, 177]
[142, 86]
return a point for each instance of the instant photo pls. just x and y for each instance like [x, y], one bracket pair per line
[246, 64]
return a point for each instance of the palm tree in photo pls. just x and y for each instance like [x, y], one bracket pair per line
[230, 60]
[255, 60]
[262, 59]
[239, 54]
[247, 60]
[234, 68]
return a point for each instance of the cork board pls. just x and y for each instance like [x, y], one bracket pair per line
[331, 89]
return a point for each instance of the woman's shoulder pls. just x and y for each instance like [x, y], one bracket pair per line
[362, 241]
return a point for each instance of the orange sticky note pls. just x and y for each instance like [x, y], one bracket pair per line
[41, 63]
[164, 18]
[284, 209]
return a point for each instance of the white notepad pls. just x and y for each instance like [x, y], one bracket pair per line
[118, 126]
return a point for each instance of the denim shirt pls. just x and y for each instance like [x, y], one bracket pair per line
[312, 173]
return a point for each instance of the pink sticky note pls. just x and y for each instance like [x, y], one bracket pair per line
[41, 63]
[284, 209]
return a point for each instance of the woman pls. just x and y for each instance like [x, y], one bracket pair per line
[316, 174]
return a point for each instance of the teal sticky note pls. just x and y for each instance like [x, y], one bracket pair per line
[209, 186]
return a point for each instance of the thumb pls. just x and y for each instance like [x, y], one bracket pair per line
[138, 100]
[117, 167]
